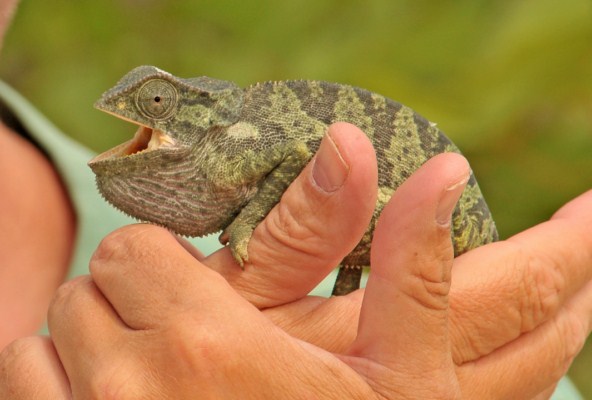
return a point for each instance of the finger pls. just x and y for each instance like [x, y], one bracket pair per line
[578, 209]
[406, 299]
[144, 273]
[30, 369]
[531, 282]
[191, 314]
[331, 324]
[84, 328]
[319, 220]
[211, 322]
[544, 355]
[531, 274]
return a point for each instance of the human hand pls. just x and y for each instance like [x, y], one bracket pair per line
[148, 244]
[532, 290]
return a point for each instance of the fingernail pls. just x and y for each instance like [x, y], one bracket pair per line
[449, 199]
[329, 170]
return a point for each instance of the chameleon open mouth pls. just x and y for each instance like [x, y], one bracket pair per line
[146, 139]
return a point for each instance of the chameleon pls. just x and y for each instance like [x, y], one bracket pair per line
[210, 156]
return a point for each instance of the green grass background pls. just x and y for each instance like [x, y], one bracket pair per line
[509, 81]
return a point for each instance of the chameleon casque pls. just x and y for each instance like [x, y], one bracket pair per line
[210, 156]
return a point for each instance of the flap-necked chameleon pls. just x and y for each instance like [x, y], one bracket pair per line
[209, 156]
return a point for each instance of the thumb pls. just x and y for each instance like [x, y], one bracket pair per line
[404, 317]
[318, 221]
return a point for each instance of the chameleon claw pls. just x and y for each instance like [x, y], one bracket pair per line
[240, 256]
[237, 237]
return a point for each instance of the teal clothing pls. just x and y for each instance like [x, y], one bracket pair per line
[95, 218]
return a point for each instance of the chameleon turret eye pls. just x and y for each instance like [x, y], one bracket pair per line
[157, 99]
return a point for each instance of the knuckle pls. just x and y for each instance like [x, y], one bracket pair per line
[64, 300]
[14, 352]
[430, 285]
[290, 222]
[432, 294]
[574, 333]
[288, 230]
[16, 367]
[113, 246]
[129, 242]
[198, 347]
[66, 290]
[542, 285]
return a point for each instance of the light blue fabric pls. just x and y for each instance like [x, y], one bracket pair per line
[566, 391]
[96, 218]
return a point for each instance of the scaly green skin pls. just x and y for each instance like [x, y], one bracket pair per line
[222, 156]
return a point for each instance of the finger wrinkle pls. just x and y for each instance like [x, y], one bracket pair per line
[577, 322]
[433, 279]
[427, 294]
[573, 332]
[539, 280]
[543, 288]
[302, 236]
[291, 223]
[432, 295]
[466, 339]
[565, 242]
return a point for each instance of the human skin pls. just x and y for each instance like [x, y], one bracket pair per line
[36, 236]
[508, 325]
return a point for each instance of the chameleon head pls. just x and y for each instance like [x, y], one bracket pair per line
[171, 112]
[174, 117]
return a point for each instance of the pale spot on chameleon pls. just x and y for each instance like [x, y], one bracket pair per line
[384, 194]
[316, 90]
[242, 130]
[379, 102]
[121, 105]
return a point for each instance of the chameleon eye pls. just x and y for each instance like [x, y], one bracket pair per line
[157, 99]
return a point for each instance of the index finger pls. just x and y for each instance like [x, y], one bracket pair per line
[531, 274]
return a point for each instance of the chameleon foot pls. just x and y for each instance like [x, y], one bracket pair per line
[237, 236]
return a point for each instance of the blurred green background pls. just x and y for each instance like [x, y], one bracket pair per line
[509, 81]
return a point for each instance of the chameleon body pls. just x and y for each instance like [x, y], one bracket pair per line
[210, 156]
